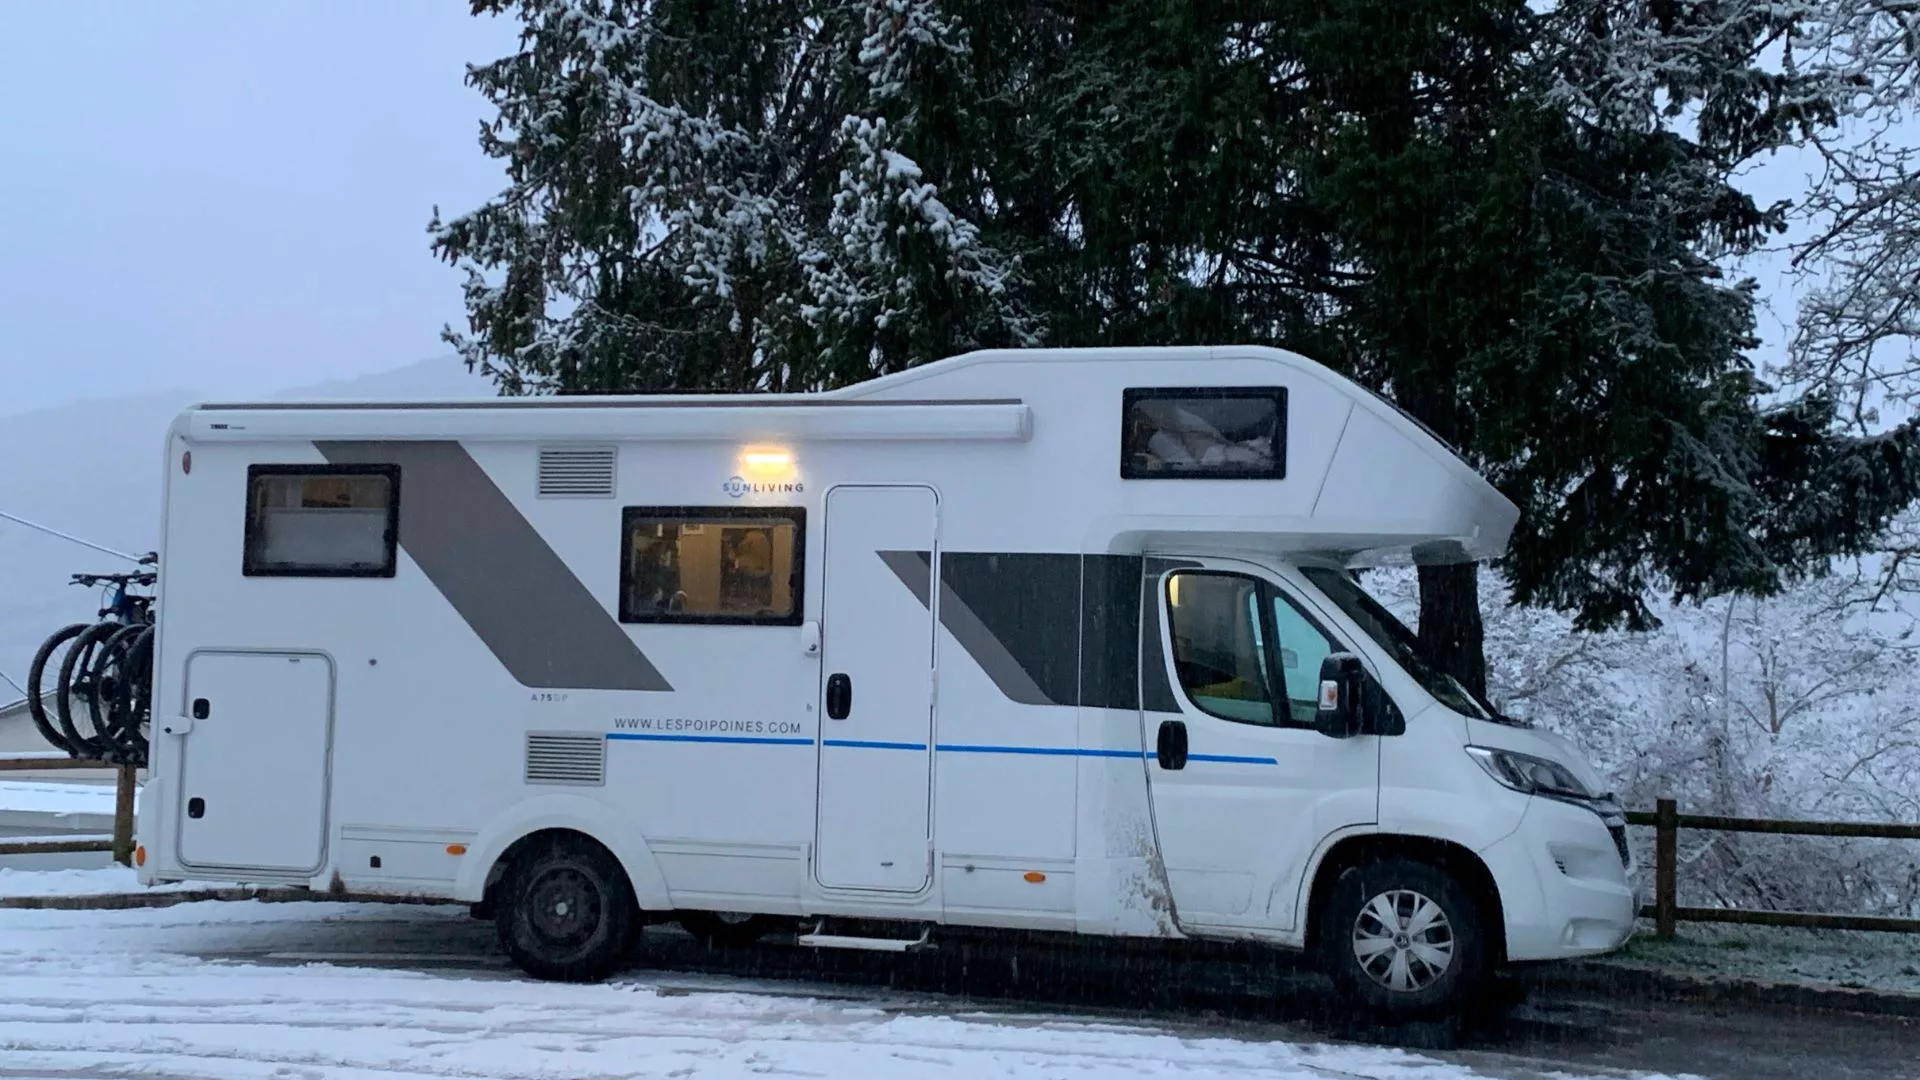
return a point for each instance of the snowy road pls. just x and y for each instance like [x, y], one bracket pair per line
[250, 991]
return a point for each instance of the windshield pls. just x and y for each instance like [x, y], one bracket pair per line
[1400, 643]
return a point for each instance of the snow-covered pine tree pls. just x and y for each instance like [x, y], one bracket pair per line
[724, 196]
[1487, 212]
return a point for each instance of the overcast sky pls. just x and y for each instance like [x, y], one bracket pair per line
[230, 195]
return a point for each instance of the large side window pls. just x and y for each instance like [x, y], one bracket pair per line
[723, 564]
[321, 520]
[1236, 433]
[1244, 651]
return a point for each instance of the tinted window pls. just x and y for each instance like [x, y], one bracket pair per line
[1228, 432]
[712, 565]
[338, 521]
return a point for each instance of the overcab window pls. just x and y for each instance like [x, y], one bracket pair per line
[727, 565]
[1237, 433]
[321, 520]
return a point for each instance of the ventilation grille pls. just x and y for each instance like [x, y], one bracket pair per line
[566, 759]
[576, 472]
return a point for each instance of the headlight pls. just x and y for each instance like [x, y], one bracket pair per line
[1529, 774]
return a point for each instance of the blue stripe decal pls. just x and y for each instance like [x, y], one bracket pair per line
[863, 744]
[751, 740]
[945, 748]
[1049, 751]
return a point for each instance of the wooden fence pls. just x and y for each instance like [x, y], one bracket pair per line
[1667, 821]
[120, 843]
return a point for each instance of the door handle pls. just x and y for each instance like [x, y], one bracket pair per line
[1172, 748]
[839, 696]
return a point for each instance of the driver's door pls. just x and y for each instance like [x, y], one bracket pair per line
[1238, 818]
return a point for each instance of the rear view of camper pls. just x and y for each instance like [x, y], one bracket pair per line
[1055, 640]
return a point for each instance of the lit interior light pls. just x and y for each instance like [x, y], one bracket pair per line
[768, 460]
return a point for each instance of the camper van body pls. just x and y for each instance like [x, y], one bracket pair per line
[921, 655]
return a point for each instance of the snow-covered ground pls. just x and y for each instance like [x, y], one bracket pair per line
[239, 991]
[57, 798]
[1845, 958]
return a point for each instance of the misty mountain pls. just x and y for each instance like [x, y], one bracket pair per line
[92, 469]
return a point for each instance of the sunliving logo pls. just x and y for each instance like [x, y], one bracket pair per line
[738, 486]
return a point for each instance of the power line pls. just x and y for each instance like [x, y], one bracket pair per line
[69, 538]
[8, 679]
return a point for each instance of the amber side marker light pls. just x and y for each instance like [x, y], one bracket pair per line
[1035, 876]
[456, 849]
[140, 855]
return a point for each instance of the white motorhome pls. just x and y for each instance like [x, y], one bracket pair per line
[1062, 640]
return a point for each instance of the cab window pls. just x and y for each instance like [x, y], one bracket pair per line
[1243, 651]
[1219, 649]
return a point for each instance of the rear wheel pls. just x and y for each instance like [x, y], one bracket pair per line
[1404, 939]
[565, 911]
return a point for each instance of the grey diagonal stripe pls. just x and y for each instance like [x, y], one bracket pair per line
[493, 566]
[914, 569]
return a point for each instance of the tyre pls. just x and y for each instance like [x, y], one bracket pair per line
[110, 686]
[131, 703]
[1404, 939]
[76, 688]
[728, 929]
[36, 686]
[565, 911]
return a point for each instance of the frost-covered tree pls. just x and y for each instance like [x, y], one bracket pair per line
[1859, 330]
[746, 195]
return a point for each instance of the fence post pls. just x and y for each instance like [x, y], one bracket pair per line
[123, 817]
[1666, 868]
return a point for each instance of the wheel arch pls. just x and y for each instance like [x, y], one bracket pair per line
[1449, 855]
[552, 816]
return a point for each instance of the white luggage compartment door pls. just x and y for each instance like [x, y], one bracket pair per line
[253, 778]
[876, 753]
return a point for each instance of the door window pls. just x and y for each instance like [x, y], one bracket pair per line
[1302, 649]
[1231, 635]
[1219, 645]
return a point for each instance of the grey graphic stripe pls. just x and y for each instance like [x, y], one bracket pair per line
[515, 592]
[914, 569]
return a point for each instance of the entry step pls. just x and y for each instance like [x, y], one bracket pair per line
[821, 940]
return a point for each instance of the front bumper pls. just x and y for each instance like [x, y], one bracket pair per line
[1565, 884]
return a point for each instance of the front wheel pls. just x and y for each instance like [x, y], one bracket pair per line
[566, 912]
[1404, 939]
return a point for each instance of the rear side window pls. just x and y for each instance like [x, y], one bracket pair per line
[321, 521]
[1235, 433]
[722, 564]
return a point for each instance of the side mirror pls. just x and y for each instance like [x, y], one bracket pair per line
[1341, 680]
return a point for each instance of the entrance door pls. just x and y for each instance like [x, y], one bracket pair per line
[1259, 788]
[253, 779]
[876, 753]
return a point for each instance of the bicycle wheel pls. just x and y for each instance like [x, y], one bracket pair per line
[109, 679]
[132, 700]
[76, 680]
[36, 696]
